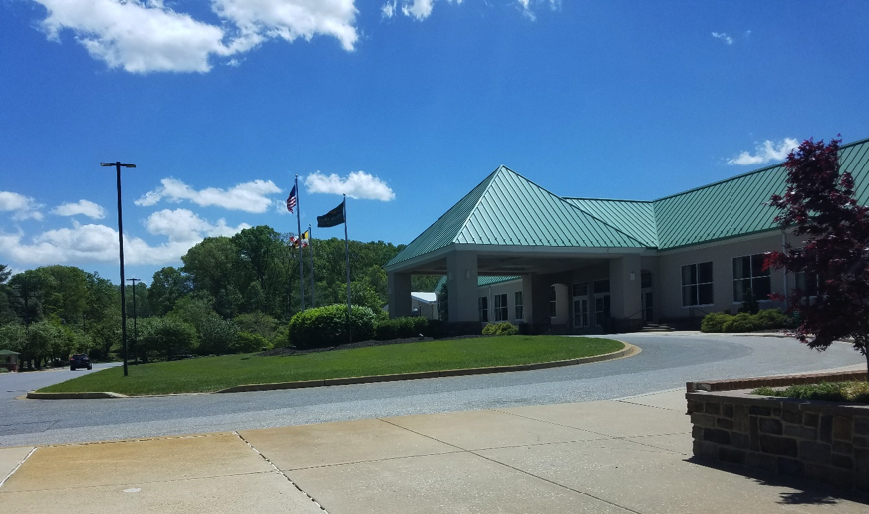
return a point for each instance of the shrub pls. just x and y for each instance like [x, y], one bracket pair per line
[714, 322]
[217, 335]
[857, 392]
[246, 342]
[395, 328]
[774, 318]
[742, 322]
[504, 328]
[327, 326]
[167, 335]
[717, 322]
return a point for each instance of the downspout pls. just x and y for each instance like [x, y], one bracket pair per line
[785, 271]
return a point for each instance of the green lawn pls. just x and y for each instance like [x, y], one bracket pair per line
[214, 373]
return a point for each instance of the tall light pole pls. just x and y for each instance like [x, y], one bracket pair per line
[118, 165]
[135, 321]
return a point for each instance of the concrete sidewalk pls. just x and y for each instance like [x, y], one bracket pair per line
[619, 456]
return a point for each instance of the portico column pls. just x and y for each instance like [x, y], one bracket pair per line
[625, 287]
[462, 286]
[400, 304]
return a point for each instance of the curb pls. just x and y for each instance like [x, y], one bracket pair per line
[33, 395]
[628, 351]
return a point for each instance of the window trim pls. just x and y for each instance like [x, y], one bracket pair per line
[501, 311]
[750, 278]
[519, 306]
[698, 284]
[483, 308]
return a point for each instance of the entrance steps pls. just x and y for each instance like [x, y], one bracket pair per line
[657, 327]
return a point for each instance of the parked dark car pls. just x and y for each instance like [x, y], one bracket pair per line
[79, 360]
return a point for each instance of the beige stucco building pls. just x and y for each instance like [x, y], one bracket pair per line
[592, 265]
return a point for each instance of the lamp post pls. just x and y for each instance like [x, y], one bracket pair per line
[135, 322]
[118, 166]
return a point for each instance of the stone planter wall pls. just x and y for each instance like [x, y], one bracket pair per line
[820, 441]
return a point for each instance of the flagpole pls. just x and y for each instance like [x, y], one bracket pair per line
[311, 250]
[299, 223]
[347, 256]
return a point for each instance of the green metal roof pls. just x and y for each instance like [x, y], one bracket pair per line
[506, 209]
[633, 217]
[489, 281]
[737, 206]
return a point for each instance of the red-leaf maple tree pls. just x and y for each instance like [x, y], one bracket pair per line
[819, 205]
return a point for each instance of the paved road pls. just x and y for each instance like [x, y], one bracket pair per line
[666, 362]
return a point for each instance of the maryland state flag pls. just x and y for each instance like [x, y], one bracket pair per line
[301, 240]
[333, 217]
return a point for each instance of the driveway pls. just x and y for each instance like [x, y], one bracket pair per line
[666, 362]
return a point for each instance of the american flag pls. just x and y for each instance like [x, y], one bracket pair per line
[291, 200]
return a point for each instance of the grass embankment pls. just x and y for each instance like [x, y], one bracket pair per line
[214, 373]
[853, 392]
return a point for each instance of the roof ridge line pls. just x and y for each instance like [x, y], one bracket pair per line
[606, 199]
[490, 177]
[561, 199]
[747, 173]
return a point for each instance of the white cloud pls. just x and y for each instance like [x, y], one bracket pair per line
[767, 151]
[182, 225]
[82, 244]
[724, 37]
[358, 184]
[248, 196]
[22, 207]
[419, 9]
[388, 9]
[143, 36]
[85, 244]
[526, 8]
[84, 207]
[137, 36]
[290, 19]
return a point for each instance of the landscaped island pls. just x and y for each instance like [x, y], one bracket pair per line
[210, 374]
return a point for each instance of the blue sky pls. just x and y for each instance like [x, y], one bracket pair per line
[405, 105]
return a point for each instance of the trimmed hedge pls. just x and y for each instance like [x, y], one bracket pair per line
[720, 322]
[327, 326]
[504, 328]
[410, 326]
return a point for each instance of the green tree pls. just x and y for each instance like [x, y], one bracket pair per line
[168, 285]
[257, 247]
[7, 313]
[166, 335]
[215, 266]
[217, 336]
[63, 292]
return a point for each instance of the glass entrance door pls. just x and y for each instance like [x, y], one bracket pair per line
[601, 310]
[580, 312]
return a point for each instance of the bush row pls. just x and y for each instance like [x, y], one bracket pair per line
[717, 322]
[327, 326]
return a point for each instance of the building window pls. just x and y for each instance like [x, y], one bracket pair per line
[518, 305]
[601, 286]
[645, 279]
[749, 273]
[501, 307]
[553, 307]
[580, 289]
[697, 284]
[483, 306]
[808, 285]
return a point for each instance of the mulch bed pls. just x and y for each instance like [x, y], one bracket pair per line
[278, 352]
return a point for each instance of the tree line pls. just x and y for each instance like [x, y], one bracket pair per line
[231, 294]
